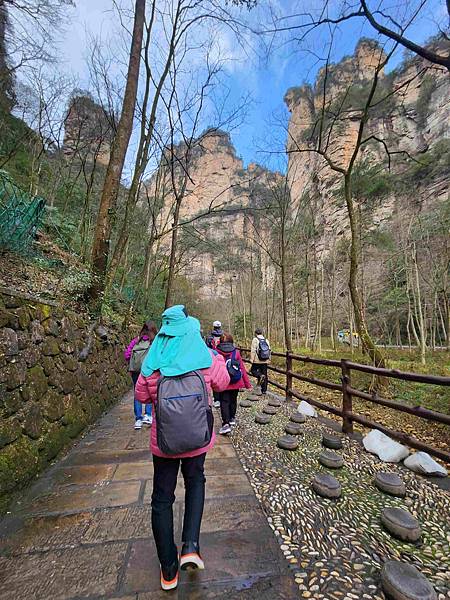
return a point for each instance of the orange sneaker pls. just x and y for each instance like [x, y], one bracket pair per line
[169, 577]
[190, 557]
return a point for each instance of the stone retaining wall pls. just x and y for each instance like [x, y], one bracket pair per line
[58, 373]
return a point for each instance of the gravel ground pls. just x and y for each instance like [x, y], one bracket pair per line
[336, 548]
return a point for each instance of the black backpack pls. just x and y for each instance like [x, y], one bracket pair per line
[263, 350]
[234, 368]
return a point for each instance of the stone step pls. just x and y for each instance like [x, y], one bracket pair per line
[294, 429]
[401, 524]
[402, 581]
[331, 441]
[254, 398]
[263, 419]
[390, 483]
[245, 403]
[287, 442]
[274, 402]
[330, 459]
[326, 486]
[297, 418]
[270, 410]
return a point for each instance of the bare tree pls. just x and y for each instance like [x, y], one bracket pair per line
[101, 244]
[383, 18]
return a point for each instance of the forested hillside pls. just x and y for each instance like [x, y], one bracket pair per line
[350, 234]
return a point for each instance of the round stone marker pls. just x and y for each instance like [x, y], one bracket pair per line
[257, 391]
[331, 441]
[390, 483]
[263, 419]
[253, 398]
[245, 403]
[331, 459]
[270, 410]
[402, 581]
[287, 442]
[297, 417]
[327, 486]
[293, 429]
[274, 402]
[400, 523]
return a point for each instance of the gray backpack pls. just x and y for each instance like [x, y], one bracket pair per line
[184, 419]
[137, 355]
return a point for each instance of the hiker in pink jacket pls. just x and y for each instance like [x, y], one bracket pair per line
[179, 359]
[238, 380]
[134, 355]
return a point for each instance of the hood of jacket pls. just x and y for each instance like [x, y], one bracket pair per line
[225, 347]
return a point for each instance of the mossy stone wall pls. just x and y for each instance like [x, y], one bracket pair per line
[58, 373]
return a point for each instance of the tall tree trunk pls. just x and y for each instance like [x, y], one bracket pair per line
[111, 186]
[420, 312]
[367, 343]
[173, 253]
[287, 337]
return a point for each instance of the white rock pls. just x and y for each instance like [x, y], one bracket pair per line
[421, 462]
[306, 409]
[386, 449]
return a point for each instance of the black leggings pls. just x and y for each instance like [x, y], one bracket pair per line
[228, 405]
[164, 483]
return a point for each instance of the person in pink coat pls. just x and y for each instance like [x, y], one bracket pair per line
[228, 398]
[178, 349]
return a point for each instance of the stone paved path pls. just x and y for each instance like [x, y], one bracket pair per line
[83, 530]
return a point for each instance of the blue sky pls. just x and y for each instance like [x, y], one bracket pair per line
[265, 77]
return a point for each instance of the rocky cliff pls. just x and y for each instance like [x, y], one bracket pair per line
[88, 131]
[409, 119]
[218, 187]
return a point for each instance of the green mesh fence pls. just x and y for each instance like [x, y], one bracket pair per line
[20, 215]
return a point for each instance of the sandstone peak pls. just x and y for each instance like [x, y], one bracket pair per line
[88, 132]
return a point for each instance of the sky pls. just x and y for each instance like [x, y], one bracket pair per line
[251, 71]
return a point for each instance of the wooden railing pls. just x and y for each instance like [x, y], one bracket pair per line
[348, 392]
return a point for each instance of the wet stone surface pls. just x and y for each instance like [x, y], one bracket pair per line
[337, 548]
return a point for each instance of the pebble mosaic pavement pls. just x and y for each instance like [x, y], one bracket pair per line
[336, 548]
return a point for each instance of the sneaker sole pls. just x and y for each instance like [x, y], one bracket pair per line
[191, 562]
[169, 585]
[137, 428]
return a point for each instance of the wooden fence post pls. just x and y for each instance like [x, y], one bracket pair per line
[288, 376]
[347, 404]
